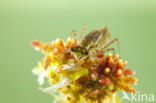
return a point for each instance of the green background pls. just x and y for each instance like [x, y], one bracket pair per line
[133, 22]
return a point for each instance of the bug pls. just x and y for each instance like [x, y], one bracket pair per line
[94, 42]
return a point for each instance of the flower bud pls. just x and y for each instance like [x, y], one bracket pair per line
[104, 81]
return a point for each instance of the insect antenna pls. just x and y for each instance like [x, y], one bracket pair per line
[74, 34]
[82, 32]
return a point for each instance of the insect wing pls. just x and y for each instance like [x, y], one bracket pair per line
[104, 38]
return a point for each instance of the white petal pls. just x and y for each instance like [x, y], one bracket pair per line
[41, 79]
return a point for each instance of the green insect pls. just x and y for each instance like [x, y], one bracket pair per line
[94, 41]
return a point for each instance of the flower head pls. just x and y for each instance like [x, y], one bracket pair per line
[90, 80]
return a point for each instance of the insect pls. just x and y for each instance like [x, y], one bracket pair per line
[94, 41]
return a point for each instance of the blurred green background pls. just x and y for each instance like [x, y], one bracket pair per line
[133, 22]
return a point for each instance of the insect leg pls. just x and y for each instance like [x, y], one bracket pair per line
[74, 34]
[111, 42]
[110, 49]
[82, 32]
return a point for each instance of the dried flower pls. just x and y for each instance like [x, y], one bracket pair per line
[89, 80]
